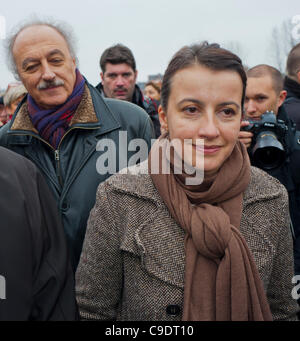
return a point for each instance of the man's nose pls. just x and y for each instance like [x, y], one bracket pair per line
[120, 81]
[250, 107]
[47, 74]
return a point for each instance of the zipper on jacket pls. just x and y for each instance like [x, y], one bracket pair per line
[57, 166]
[56, 151]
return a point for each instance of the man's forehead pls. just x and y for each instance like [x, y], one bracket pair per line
[118, 68]
[257, 85]
[38, 35]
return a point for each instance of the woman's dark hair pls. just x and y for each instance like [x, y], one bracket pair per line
[211, 56]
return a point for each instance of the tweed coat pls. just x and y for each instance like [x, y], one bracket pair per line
[133, 260]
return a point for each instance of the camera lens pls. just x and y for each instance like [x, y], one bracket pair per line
[269, 157]
[268, 153]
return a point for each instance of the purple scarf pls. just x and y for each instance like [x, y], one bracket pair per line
[53, 123]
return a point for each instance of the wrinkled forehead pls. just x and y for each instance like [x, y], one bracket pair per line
[38, 37]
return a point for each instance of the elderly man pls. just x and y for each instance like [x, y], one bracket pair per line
[59, 124]
[119, 77]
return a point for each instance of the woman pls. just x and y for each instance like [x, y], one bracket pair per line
[158, 248]
[152, 90]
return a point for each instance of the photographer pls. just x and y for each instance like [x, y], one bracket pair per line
[264, 92]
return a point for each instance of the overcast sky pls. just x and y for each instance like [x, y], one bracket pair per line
[155, 29]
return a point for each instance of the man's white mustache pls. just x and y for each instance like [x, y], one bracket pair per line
[45, 84]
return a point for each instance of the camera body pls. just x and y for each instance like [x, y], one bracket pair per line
[268, 149]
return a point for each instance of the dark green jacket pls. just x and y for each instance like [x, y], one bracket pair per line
[71, 170]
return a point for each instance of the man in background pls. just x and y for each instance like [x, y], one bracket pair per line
[264, 92]
[118, 80]
[292, 85]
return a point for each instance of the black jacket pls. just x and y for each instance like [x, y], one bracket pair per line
[292, 101]
[36, 276]
[72, 171]
[145, 103]
[289, 175]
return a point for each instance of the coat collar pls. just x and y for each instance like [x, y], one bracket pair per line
[92, 112]
[136, 181]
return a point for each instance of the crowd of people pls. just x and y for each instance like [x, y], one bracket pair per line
[179, 201]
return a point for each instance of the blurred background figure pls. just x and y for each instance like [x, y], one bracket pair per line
[152, 90]
[3, 115]
[13, 95]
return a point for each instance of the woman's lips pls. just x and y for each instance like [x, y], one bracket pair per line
[208, 149]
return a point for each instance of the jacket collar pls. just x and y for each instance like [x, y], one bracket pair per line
[92, 112]
[292, 87]
[137, 182]
[137, 97]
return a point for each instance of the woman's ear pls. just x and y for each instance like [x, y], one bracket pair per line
[163, 120]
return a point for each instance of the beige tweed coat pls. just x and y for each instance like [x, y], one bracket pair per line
[133, 260]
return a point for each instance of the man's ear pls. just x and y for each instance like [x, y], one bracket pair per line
[163, 120]
[282, 96]
[135, 75]
[101, 75]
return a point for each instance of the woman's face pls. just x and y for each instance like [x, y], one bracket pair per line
[151, 92]
[204, 104]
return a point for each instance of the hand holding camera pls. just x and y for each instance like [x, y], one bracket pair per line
[267, 143]
[245, 136]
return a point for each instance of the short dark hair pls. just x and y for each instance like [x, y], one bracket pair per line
[211, 56]
[263, 70]
[117, 54]
[293, 61]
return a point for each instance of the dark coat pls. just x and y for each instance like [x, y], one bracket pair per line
[133, 259]
[146, 103]
[288, 174]
[71, 170]
[37, 280]
[292, 101]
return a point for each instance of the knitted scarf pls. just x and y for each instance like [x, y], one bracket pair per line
[221, 279]
[53, 123]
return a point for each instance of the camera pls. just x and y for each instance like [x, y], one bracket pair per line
[268, 147]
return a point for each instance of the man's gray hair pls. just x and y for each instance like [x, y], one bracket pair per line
[61, 27]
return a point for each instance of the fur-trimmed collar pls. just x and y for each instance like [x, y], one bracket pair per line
[85, 113]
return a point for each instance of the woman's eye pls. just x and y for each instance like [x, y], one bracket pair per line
[190, 110]
[228, 112]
